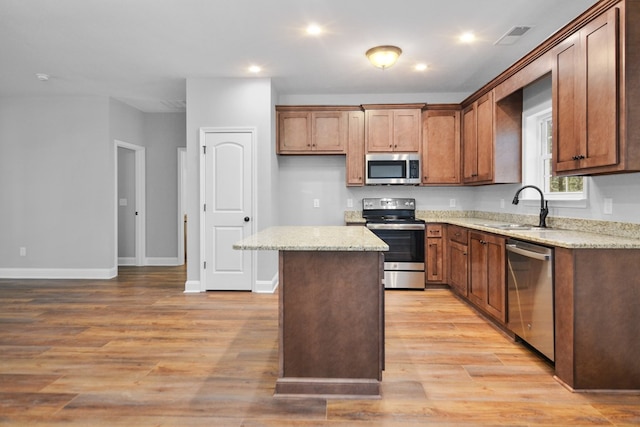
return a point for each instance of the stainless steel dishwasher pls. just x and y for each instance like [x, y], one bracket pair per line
[530, 295]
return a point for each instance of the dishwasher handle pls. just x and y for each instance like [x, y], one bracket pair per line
[529, 254]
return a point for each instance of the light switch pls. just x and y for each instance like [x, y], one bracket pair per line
[316, 203]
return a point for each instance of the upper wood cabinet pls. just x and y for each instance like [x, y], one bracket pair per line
[355, 149]
[477, 137]
[393, 127]
[441, 145]
[492, 140]
[591, 86]
[312, 130]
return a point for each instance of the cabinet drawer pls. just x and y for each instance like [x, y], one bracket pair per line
[458, 234]
[434, 230]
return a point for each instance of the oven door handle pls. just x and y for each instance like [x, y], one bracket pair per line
[381, 226]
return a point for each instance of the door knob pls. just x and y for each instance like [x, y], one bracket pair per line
[246, 219]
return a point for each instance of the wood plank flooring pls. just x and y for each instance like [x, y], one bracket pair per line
[137, 351]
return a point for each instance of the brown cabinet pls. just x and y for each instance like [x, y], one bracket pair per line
[393, 127]
[441, 145]
[595, 92]
[311, 130]
[487, 271]
[457, 241]
[585, 101]
[597, 318]
[355, 149]
[477, 140]
[434, 250]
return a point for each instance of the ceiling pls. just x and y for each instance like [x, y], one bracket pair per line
[142, 51]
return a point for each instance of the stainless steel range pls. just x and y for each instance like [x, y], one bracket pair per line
[393, 220]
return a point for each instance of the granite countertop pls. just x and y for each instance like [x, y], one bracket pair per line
[310, 238]
[568, 233]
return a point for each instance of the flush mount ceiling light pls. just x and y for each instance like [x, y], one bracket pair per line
[383, 56]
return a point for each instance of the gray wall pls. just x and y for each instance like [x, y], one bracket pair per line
[163, 134]
[56, 185]
[304, 178]
[232, 103]
[126, 212]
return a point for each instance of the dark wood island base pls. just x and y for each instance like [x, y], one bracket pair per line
[331, 315]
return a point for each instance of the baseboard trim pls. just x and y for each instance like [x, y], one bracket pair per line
[192, 287]
[266, 286]
[162, 261]
[58, 273]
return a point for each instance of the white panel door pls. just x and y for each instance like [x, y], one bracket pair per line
[228, 210]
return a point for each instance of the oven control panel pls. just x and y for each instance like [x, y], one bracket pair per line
[388, 203]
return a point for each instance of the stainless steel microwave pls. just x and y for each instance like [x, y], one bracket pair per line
[393, 168]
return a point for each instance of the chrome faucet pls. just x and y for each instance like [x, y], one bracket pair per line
[544, 205]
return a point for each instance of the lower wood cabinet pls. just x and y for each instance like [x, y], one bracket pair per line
[435, 255]
[487, 274]
[457, 250]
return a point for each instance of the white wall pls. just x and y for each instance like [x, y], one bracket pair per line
[232, 103]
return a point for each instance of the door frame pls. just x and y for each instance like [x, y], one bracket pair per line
[254, 181]
[140, 185]
[182, 205]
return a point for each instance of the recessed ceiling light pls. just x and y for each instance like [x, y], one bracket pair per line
[42, 77]
[254, 69]
[421, 67]
[314, 29]
[467, 37]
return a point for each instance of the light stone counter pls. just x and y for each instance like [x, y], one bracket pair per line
[309, 238]
[571, 233]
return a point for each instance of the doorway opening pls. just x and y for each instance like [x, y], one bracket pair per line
[129, 204]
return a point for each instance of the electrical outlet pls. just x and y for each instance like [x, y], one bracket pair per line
[452, 203]
[501, 203]
[316, 203]
[349, 203]
[23, 251]
[608, 206]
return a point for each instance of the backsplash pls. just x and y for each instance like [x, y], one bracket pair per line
[612, 228]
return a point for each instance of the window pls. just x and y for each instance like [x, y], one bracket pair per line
[538, 160]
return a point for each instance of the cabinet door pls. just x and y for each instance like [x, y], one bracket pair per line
[441, 147]
[355, 149]
[484, 135]
[458, 267]
[379, 130]
[294, 131]
[435, 257]
[329, 131]
[496, 271]
[585, 96]
[469, 144]
[477, 269]
[407, 124]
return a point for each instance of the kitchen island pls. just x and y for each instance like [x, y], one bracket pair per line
[331, 308]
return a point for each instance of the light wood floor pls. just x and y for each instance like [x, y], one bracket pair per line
[137, 351]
